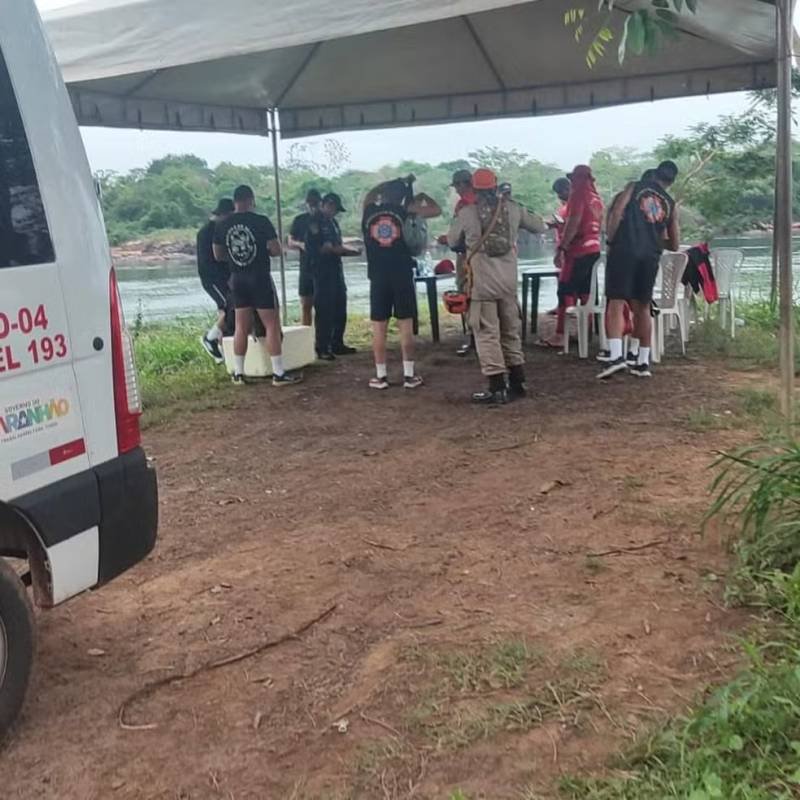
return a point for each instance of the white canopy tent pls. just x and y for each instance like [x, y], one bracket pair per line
[202, 65]
[356, 64]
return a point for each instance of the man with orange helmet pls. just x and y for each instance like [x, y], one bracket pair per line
[490, 227]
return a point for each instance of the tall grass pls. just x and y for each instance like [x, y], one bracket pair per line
[175, 372]
[756, 343]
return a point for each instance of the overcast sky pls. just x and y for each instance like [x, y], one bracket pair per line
[564, 140]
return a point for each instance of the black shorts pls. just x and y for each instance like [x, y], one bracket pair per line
[392, 293]
[580, 281]
[305, 282]
[253, 289]
[630, 277]
[217, 289]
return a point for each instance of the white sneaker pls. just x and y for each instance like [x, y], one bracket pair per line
[640, 370]
[612, 368]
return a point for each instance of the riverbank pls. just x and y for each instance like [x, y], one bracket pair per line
[168, 246]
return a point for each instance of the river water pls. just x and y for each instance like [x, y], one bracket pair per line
[170, 291]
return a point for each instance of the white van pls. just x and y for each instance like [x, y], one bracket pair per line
[78, 500]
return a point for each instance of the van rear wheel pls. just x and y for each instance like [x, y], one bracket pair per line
[17, 646]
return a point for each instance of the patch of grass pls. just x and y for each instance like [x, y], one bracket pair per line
[756, 343]
[583, 662]
[702, 420]
[462, 725]
[743, 742]
[175, 373]
[497, 665]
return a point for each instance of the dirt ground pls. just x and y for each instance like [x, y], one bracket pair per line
[512, 595]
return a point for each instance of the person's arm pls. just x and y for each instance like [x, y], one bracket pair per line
[425, 206]
[274, 247]
[218, 245]
[457, 231]
[674, 230]
[617, 210]
[531, 222]
[571, 226]
[203, 252]
[331, 248]
[296, 238]
[332, 243]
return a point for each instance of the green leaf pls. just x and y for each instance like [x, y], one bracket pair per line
[660, 3]
[736, 743]
[698, 794]
[636, 33]
[692, 6]
[623, 42]
[713, 784]
[678, 5]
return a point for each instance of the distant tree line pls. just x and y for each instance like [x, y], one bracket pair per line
[726, 184]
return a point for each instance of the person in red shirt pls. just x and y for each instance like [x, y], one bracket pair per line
[579, 246]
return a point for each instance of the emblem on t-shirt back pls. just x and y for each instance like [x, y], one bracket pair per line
[385, 230]
[241, 245]
[653, 208]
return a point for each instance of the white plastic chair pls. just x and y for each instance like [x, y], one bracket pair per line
[726, 263]
[670, 302]
[584, 314]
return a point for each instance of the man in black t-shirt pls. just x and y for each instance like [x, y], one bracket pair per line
[245, 241]
[641, 224]
[297, 241]
[324, 249]
[390, 269]
[214, 276]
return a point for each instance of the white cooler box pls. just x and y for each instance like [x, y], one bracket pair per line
[298, 351]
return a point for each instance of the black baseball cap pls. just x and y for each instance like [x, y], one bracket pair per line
[334, 198]
[224, 206]
[461, 176]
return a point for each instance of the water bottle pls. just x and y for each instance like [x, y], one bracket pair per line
[428, 263]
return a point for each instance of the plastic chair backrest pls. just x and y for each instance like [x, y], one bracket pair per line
[673, 265]
[726, 263]
[592, 301]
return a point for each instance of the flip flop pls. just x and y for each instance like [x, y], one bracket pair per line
[548, 345]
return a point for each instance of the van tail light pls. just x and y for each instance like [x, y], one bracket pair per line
[127, 399]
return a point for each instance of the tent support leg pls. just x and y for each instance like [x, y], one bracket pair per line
[783, 209]
[273, 131]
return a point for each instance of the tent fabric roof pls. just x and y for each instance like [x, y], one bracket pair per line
[205, 66]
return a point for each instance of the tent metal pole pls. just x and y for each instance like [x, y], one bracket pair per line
[783, 211]
[273, 131]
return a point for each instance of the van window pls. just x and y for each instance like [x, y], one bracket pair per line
[24, 235]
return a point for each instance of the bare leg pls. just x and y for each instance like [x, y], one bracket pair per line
[272, 325]
[615, 320]
[244, 321]
[642, 323]
[307, 309]
[406, 327]
[221, 320]
[379, 341]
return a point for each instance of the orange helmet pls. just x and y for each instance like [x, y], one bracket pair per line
[484, 179]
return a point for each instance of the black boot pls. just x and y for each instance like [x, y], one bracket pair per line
[495, 395]
[517, 387]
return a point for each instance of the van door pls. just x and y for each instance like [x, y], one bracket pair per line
[42, 437]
